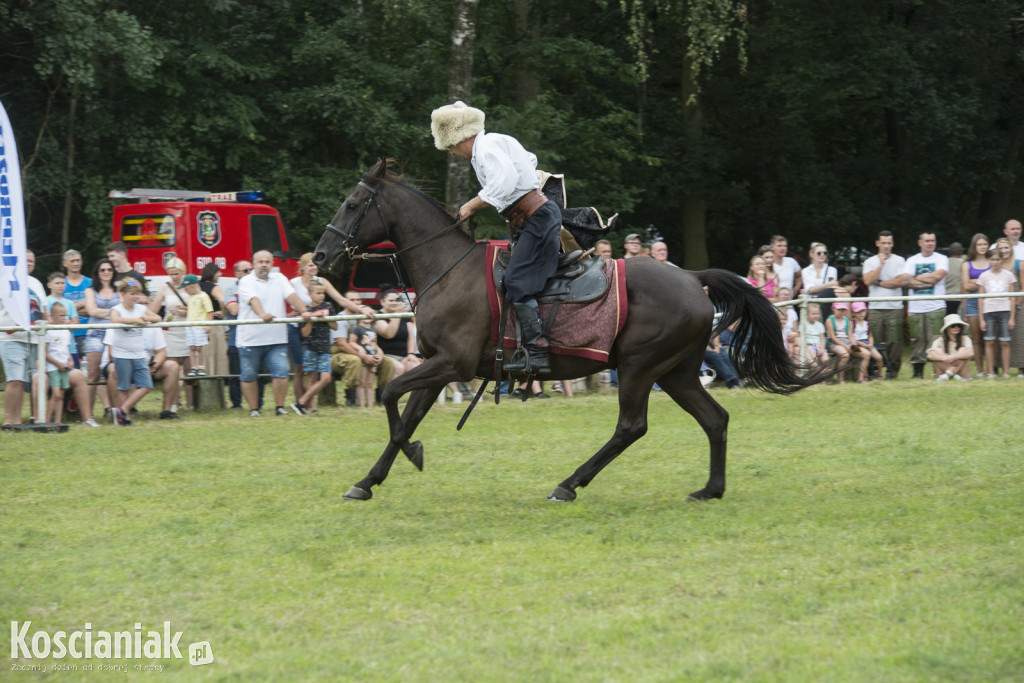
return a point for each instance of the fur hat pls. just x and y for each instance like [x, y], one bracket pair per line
[453, 123]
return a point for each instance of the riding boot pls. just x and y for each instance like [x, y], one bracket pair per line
[350, 398]
[535, 361]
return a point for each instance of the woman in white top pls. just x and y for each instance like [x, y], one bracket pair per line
[307, 274]
[819, 275]
[175, 304]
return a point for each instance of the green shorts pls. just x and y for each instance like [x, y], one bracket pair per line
[59, 379]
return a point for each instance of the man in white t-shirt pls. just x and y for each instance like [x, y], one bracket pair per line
[882, 274]
[262, 295]
[924, 273]
[786, 267]
[1012, 229]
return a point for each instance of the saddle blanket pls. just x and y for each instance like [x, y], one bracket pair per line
[586, 330]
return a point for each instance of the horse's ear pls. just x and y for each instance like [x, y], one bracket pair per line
[382, 166]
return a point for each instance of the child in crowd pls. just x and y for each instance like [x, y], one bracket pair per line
[815, 337]
[58, 361]
[366, 339]
[316, 347]
[838, 329]
[951, 350]
[57, 284]
[200, 308]
[128, 350]
[997, 314]
[789, 319]
[864, 341]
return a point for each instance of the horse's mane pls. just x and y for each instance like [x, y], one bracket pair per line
[390, 171]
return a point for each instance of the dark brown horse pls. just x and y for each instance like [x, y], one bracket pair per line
[669, 323]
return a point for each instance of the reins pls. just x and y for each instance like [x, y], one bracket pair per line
[392, 258]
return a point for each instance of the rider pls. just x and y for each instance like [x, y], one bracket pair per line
[508, 176]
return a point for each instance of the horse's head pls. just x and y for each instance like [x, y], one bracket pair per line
[359, 222]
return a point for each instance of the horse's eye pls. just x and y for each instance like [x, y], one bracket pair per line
[352, 206]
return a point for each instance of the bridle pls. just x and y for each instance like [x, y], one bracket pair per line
[348, 242]
[348, 239]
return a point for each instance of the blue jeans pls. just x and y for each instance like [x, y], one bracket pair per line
[252, 358]
[720, 363]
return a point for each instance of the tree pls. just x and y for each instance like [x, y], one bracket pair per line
[460, 87]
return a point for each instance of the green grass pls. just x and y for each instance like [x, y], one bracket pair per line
[869, 532]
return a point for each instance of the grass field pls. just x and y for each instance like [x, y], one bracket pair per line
[868, 533]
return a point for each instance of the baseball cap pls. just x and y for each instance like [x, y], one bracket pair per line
[189, 279]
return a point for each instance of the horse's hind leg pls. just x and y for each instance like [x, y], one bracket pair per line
[633, 395]
[685, 389]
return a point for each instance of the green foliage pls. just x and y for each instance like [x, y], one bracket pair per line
[820, 124]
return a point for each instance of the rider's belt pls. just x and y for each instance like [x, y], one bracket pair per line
[523, 208]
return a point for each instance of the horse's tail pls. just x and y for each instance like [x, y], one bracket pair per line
[757, 350]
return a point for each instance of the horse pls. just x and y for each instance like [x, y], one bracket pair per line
[669, 323]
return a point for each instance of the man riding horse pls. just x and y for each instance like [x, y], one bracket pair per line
[509, 182]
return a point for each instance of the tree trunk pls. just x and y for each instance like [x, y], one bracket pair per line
[695, 206]
[527, 83]
[65, 225]
[460, 87]
[999, 202]
[897, 141]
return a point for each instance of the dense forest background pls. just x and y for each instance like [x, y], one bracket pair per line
[716, 123]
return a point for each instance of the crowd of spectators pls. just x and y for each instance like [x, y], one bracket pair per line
[122, 365]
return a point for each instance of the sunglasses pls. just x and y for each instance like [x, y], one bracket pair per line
[243, 270]
[106, 270]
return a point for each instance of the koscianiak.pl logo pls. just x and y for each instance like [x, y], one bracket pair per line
[135, 644]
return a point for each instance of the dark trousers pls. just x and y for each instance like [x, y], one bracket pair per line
[234, 369]
[534, 255]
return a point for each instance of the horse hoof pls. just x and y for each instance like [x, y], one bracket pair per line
[562, 495]
[356, 493]
[702, 495]
[415, 454]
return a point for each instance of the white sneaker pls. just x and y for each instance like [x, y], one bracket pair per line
[942, 378]
[456, 397]
[961, 379]
[90, 423]
[254, 413]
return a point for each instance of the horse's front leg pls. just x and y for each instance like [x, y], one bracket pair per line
[425, 383]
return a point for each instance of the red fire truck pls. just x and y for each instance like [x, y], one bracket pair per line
[199, 228]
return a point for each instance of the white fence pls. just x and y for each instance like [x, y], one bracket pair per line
[40, 329]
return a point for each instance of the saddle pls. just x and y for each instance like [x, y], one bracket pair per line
[578, 279]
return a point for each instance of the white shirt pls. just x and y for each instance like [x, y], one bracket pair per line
[1018, 250]
[272, 294]
[893, 267]
[153, 339]
[997, 283]
[505, 169]
[341, 332]
[58, 347]
[786, 272]
[811, 278]
[127, 342]
[921, 265]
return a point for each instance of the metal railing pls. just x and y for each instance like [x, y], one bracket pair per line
[804, 301]
[41, 327]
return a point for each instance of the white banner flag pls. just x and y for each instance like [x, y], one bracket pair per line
[13, 248]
